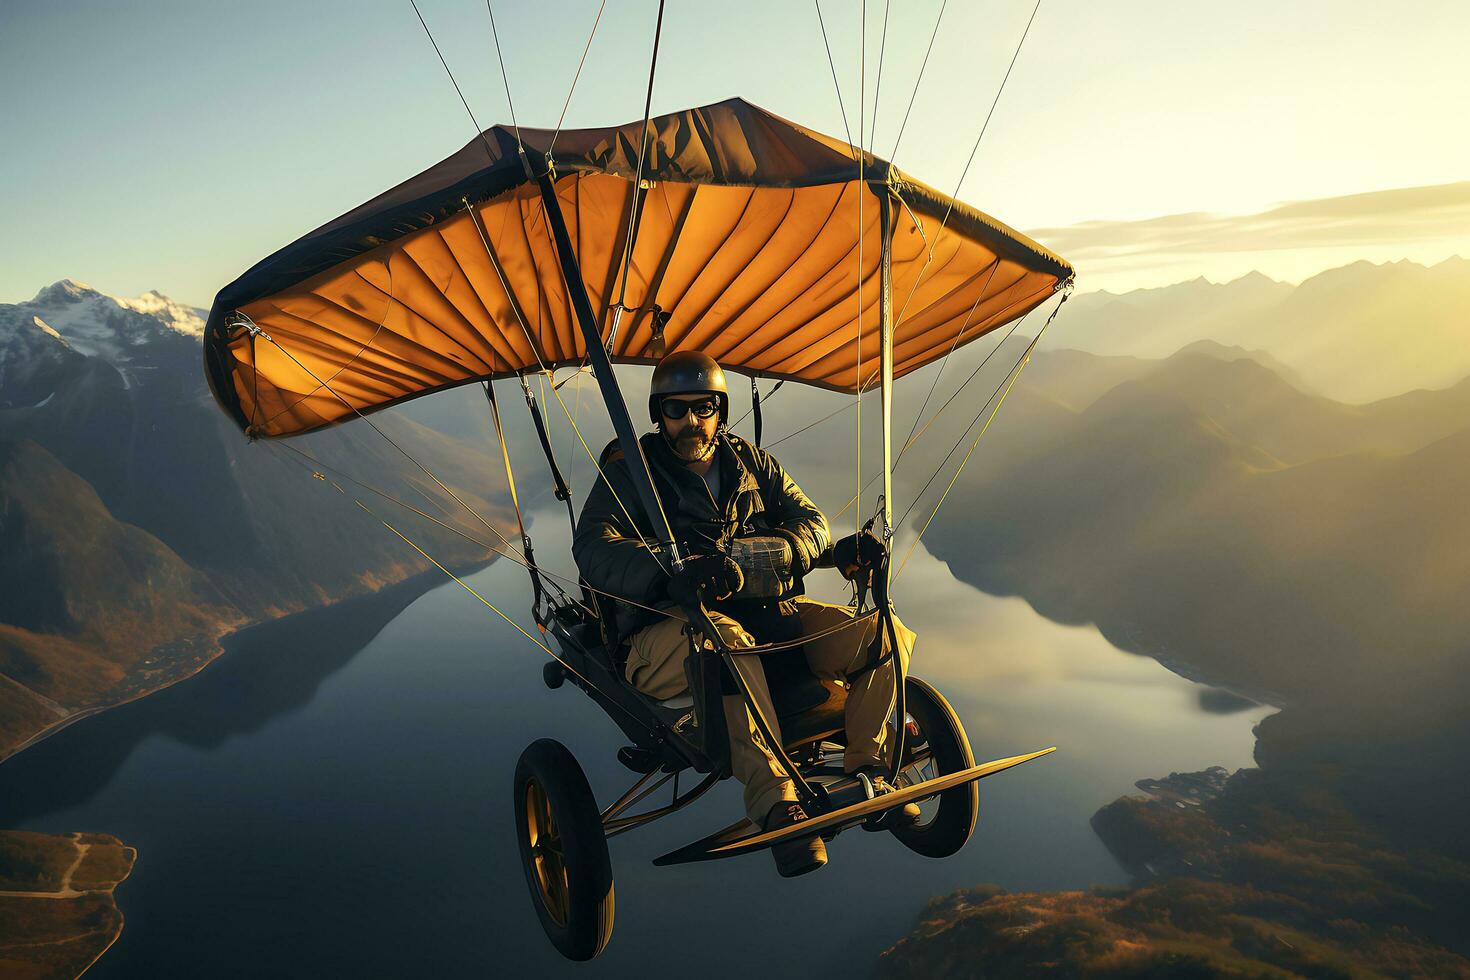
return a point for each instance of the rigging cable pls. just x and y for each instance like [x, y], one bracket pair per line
[632, 232]
[1009, 383]
[914, 438]
[1025, 354]
[915, 94]
[811, 425]
[858, 157]
[567, 104]
[468, 588]
[484, 237]
[949, 210]
[862, 184]
[457, 499]
[506, 80]
[953, 344]
[478, 131]
[556, 578]
[835, 84]
[537, 591]
[553, 576]
[758, 402]
[536, 353]
[878, 87]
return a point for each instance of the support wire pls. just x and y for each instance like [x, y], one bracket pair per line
[1008, 384]
[503, 77]
[406, 455]
[567, 104]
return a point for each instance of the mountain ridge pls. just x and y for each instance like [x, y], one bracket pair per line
[1357, 333]
[111, 413]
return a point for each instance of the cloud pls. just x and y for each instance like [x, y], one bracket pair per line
[1404, 215]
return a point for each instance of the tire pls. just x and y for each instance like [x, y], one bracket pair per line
[949, 819]
[563, 850]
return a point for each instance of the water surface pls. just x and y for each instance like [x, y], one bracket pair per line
[332, 797]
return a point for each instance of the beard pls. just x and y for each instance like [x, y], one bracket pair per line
[692, 445]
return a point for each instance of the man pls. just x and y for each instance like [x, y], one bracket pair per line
[723, 495]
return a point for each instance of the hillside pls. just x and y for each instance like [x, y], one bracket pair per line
[1182, 514]
[139, 525]
[1271, 878]
[57, 911]
[1209, 514]
[88, 597]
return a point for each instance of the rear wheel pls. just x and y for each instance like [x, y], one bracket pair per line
[935, 745]
[563, 850]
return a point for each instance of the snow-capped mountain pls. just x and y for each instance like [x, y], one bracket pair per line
[34, 358]
[46, 340]
[137, 522]
[99, 325]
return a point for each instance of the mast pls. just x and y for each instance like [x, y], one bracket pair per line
[612, 395]
[885, 341]
[884, 574]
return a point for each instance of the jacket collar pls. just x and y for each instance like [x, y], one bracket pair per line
[693, 498]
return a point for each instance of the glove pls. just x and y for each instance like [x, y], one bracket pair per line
[857, 553]
[706, 577]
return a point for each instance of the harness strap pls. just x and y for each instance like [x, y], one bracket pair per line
[538, 592]
[563, 492]
[755, 403]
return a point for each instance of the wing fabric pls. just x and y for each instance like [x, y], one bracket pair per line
[747, 236]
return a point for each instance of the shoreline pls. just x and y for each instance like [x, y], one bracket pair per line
[218, 644]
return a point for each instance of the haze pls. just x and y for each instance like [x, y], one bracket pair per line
[172, 145]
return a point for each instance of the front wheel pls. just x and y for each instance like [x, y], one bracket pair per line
[935, 745]
[563, 850]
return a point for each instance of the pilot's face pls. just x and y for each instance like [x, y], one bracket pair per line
[691, 437]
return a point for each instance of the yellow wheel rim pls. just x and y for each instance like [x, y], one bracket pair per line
[546, 853]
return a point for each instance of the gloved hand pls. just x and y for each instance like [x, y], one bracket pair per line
[857, 553]
[706, 577]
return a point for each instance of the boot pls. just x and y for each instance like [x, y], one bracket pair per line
[795, 856]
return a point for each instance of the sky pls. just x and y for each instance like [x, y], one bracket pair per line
[171, 145]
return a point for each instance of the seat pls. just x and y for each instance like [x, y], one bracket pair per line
[794, 689]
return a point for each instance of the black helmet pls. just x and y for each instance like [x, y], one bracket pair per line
[687, 372]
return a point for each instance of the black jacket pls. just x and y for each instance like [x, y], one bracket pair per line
[757, 498]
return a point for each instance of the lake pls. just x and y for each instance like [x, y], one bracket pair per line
[332, 796]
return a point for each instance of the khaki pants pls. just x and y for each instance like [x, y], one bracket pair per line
[656, 667]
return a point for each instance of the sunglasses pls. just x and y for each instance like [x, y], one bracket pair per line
[674, 409]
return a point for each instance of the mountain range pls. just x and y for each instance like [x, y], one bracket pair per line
[1258, 484]
[138, 525]
[1308, 551]
[1210, 515]
[1357, 333]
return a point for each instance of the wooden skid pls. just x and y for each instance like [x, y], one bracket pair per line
[724, 845]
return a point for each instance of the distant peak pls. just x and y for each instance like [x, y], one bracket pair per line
[65, 291]
[1208, 346]
[180, 317]
[1254, 277]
